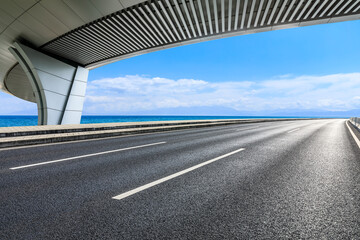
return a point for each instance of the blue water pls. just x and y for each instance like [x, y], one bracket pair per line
[11, 121]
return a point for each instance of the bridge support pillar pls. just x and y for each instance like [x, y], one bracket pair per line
[59, 87]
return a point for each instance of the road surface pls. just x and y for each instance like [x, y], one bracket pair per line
[290, 179]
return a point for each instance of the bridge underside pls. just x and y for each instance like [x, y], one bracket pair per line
[159, 24]
[155, 25]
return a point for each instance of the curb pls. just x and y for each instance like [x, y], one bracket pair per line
[97, 127]
[104, 132]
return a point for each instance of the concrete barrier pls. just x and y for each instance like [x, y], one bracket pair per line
[356, 122]
[21, 136]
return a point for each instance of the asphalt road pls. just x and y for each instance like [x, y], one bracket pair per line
[275, 180]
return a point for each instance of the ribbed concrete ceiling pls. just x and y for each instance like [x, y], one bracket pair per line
[158, 24]
[40, 21]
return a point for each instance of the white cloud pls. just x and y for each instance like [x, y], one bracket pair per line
[143, 85]
[137, 94]
[134, 93]
[11, 105]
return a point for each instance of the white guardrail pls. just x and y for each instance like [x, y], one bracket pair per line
[355, 121]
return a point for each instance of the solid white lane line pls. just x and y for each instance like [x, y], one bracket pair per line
[294, 130]
[161, 180]
[87, 155]
[239, 130]
[353, 134]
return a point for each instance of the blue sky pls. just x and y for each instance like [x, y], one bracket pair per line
[308, 70]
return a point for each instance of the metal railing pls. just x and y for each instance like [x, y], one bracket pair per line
[355, 121]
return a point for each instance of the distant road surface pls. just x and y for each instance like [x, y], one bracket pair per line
[273, 180]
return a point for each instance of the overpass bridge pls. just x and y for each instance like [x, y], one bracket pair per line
[48, 46]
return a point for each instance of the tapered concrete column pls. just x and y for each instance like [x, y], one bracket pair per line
[59, 88]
